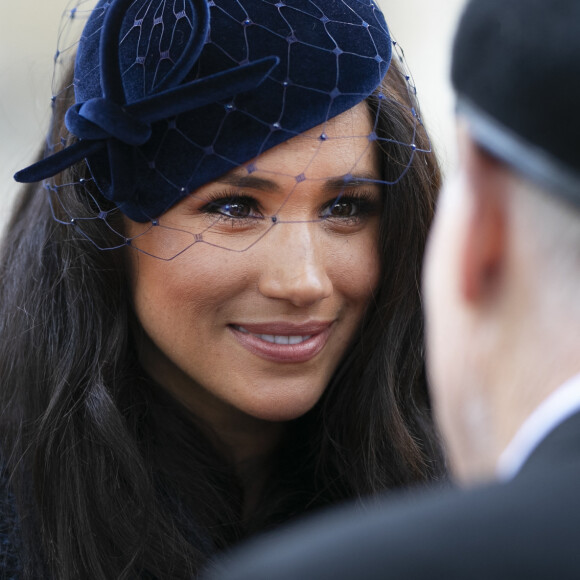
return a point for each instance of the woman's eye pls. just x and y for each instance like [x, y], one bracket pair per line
[236, 209]
[351, 209]
[233, 208]
[342, 209]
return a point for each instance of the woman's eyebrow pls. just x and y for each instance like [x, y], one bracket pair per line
[248, 181]
[350, 180]
[333, 184]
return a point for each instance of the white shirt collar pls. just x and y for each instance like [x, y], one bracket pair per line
[555, 409]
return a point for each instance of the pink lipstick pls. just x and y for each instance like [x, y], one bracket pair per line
[281, 341]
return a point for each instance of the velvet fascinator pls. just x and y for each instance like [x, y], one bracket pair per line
[516, 70]
[172, 94]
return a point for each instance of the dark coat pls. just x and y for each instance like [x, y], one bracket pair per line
[527, 528]
[10, 567]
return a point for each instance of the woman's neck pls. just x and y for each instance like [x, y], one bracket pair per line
[251, 445]
[248, 442]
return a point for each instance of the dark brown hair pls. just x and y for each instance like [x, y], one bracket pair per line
[112, 477]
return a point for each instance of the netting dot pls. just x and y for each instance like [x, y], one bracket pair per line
[413, 111]
[140, 60]
[82, 180]
[211, 3]
[378, 58]
[182, 189]
[334, 93]
[56, 55]
[230, 107]
[324, 19]
[180, 15]
[151, 164]
[72, 221]
[300, 178]
[247, 22]
[275, 126]
[171, 124]
[280, 5]
[323, 137]
[413, 146]
[407, 77]
[347, 178]
[208, 150]
[394, 43]
[285, 83]
[103, 215]
[154, 222]
[251, 168]
[274, 219]
[164, 55]
[138, 22]
[365, 24]
[291, 39]
[372, 136]
[53, 99]
[337, 51]
[198, 237]
[381, 96]
[73, 12]
[157, 21]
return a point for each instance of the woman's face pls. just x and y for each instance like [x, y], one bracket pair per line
[234, 324]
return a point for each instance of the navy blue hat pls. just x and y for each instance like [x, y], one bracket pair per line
[516, 70]
[172, 94]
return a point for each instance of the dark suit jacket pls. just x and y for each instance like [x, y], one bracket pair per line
[526, 528]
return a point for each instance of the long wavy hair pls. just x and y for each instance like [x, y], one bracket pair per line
[112, 477]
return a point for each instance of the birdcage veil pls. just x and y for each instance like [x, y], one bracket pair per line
[172, 94]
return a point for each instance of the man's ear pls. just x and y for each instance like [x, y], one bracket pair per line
[483, 255]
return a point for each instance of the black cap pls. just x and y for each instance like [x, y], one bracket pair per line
[516, 71]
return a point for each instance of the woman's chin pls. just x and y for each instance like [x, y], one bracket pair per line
[281, 410]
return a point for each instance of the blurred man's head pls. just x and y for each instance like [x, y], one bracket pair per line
[502, 277]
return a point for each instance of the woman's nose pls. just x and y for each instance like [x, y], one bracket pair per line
[295, 268]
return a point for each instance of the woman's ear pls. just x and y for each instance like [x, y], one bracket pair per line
[483, 254]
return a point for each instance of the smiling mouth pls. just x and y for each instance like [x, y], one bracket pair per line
[276, 338]
[283, 343]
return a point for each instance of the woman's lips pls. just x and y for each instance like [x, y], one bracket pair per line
[283, 342]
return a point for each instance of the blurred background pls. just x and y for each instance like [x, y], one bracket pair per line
[28, 36]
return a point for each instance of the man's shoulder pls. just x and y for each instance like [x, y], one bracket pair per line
[525, 528]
